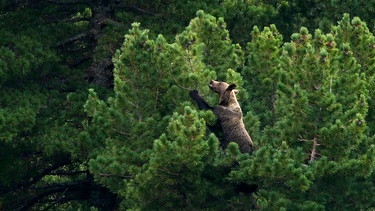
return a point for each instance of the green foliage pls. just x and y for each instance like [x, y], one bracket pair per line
[23, 56]
[219, 53]
[18, 112]
[320, 14]
[151, 78]
[307, 94]
[40, 116]
[173, 177]
[262, 73]
[320, 112]
[241, 16]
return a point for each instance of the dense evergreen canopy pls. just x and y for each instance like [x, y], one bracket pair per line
[95, 112]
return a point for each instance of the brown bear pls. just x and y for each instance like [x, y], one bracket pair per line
[229, 115]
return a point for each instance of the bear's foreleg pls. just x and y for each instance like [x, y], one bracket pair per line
[202, 105]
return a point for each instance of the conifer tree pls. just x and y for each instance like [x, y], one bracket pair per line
[312, 98]
[174, 177]
[320, 136]
[308, 104]
[262, 73]
[41, 109]
[135, 128]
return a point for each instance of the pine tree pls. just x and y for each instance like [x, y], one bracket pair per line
[262, 73]
[152, 79]
[320, 144]
[41, 109]
[308, 104]
[174, 176]
[312, 98]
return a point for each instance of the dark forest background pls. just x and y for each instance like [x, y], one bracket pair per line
[95, 112]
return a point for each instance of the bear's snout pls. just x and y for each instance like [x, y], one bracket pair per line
[211, 85]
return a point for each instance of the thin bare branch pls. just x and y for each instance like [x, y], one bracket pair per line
[72, 39]
[63, 173]
[68, 2]
[72, 20]
[314, 151]
[113, 175]
[137, 9]
[182, 87]
[58, 188]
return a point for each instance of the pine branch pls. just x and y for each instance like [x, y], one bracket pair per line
[72, 20]
[182, 87]
[67, 187]
[134, 8]
[314, 152]
[56, 186]
[63, 199]
[72, 39]
[113, 175]
[63, 173]
[68, 2]
[35, 179]
[168, 172]
[79, 61]
[101, 72]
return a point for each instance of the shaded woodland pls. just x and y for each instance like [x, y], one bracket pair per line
[95, 112]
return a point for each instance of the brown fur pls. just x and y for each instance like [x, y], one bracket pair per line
[229, 115]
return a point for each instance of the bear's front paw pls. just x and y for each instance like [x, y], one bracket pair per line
[193, 93]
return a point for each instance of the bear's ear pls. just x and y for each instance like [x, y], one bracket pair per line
[231, 87]
[236, 91]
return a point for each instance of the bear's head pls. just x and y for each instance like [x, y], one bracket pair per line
[221, 87]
